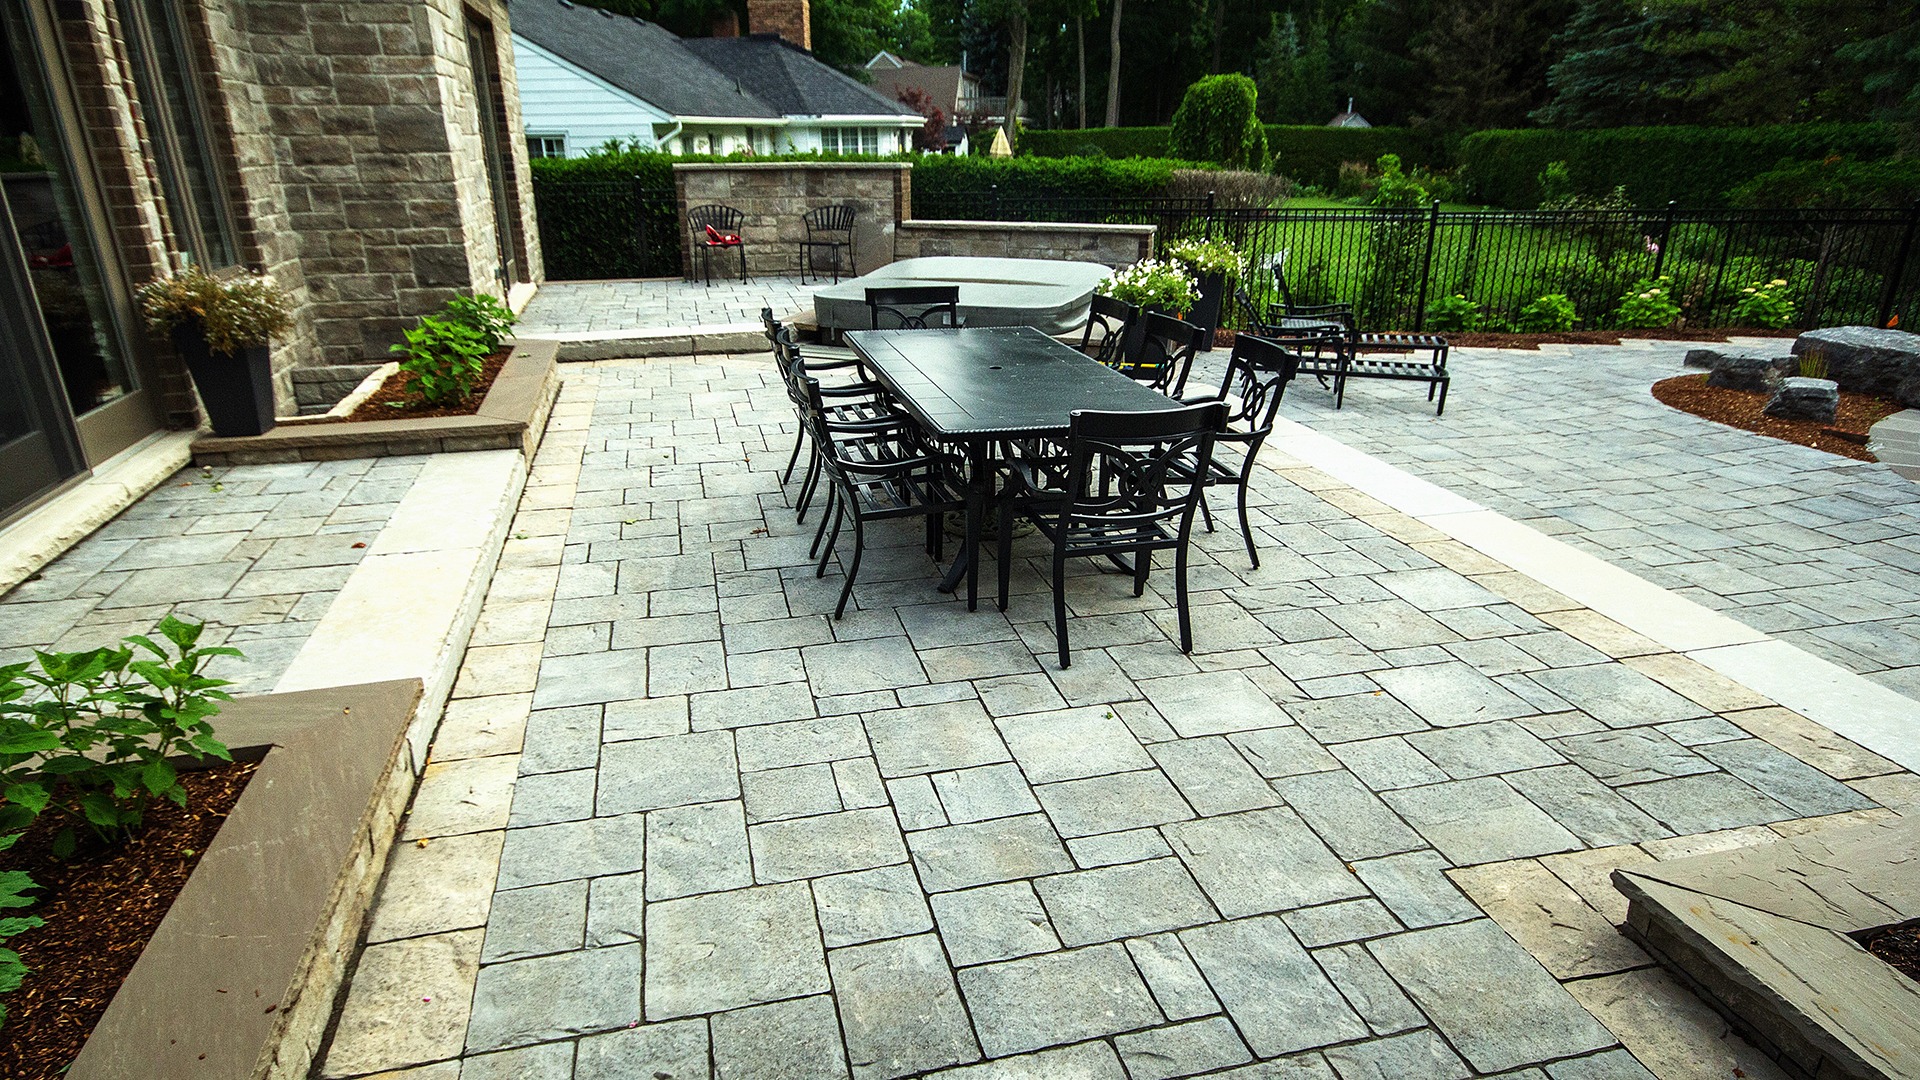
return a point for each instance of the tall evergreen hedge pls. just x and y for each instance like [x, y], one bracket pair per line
[1310, 154]
[1693, 166]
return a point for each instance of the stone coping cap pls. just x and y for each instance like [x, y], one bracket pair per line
[1122, 228]
[856, 166]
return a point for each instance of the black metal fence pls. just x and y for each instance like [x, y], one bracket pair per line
[1841, 266]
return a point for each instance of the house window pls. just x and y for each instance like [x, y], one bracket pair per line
[539, 146]
[182, 136]
[850, 140]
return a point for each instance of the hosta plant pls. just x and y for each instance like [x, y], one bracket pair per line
[444, 355]
[1454, 312]
[1152, 284]
[1549, 314]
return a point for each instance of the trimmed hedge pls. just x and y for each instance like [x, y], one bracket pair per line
[1693, 166]
[1309, 154]
[1833, 183]
[1043, 177]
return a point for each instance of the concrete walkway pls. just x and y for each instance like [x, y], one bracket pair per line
[681, 823]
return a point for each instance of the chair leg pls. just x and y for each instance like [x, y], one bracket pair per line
[1246, 530]
[1206, 514]
[1142, 566]
[807, 487]
[1060, 605]
[743, 264]
[1442, 410]
[826, 514]
[833, 537]
[799, 437]
[853, 568]
[1180, 598]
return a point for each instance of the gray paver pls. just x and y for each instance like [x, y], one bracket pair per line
[1172, 976]
[1212, 703]
[1368, 989]
[675, 1049]
[934, 738]
[1494, 1002]
[1484, 820]
[1127, 900]
[1632, 756]
[1003, 849]
[1451, 694]
[1182, 1049]
[729, 950]
[591, 678]
[827, 844]
[1418, 1055]
[1707, 803]
[1107, 849]
[899, 1008]
[552, 997]
[1616, 695]
[1356, 716]
[646, 774]
[1085, 1061]
[1212, 775]
[1056, 998]
[870, 905]
[1113, 803]
[1260, 861]
[1352, 820]
[993, 922]
[1282, 751]
[1802, 788]
[979, 794]
[697, 849]
[1392, 762]
[1415, 888]
[1348, 920]
[529, 922]
[1270, 986]
[778, 1040]
[1586, 807]
[572, 849]
[792, 792]
[1483, 749]
[800, 742]
[1073, 744]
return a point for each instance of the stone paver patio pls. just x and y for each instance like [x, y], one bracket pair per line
[679, 822]
[574, 306]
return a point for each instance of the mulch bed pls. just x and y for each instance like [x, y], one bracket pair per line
[1899, 946]
[1846, 436]
[100, 906]
[391, 402]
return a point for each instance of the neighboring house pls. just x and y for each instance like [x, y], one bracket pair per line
[1349, 118]
[588, 76]
[954, 89]
[367, 155]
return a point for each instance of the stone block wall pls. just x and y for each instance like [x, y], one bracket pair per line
[774, 194]
[1111, 245]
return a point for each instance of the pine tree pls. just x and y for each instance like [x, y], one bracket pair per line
[1607, 76]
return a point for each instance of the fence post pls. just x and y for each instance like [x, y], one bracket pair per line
[1892, 288]
[995, 189]
[1426, 266]
[1666, 234]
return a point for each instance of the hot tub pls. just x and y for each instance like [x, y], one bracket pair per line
[1049, 295]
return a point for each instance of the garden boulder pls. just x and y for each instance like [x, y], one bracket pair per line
[1868, 360]
[1740, 371]
[1805, 399]
[1708, 359]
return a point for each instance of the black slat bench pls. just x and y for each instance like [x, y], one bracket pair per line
[1325, 335]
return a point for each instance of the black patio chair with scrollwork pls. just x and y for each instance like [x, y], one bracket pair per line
[716, 231]
[1162, 354]
[914, 307]
[1258, 372]
[1144, 500]
[1109, 321]
[858, 402]
[829, 229]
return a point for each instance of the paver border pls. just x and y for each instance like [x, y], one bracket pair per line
[241, 977]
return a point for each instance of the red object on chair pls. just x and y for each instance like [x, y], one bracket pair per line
[717, 238]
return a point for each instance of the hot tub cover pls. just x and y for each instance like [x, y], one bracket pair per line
[1049, 295]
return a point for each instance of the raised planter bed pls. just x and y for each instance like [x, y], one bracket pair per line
[511, 416]
[240, 978]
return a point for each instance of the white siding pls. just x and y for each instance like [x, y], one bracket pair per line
[558, 98]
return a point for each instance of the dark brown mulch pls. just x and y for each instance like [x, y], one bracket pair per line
[100, 906]
[1846, 436]
[1900, 946]
[390, 402]
[1223, 338]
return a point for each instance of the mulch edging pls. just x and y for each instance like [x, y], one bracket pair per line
[1483, 340]
[1846, 436]
[392, 401]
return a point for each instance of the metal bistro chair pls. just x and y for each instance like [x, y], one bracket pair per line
[1114, 319]
[856, 404]
[1163, 354]
[875, 470]
[914, 307]
[1258, 372]
[1145, 499]
[716, 231]
[831, 228]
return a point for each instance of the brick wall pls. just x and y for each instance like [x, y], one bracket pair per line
[774, 194]
[1112, 245]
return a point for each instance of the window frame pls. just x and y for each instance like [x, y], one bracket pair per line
[171, 145]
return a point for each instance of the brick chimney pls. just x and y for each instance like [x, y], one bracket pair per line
[788, 18]
[725, 24]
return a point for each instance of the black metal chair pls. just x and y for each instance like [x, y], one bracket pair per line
[1114, 319]
[829, 228]
[1351, 360]
[716, 231]
[1146, 498]
[1258, 372]
[875, 470]
[854, 404]
[1162, 354]
[914, 307]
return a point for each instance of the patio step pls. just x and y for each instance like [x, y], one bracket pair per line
[701, 340]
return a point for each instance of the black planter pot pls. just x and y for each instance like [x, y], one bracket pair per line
[1206, 311]
[237, 388]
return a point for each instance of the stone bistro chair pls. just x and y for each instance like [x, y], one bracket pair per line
[716, 230]
[831, 228]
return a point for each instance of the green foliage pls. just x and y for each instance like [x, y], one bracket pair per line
[1310, 154]
[1689, 165]
[14, 886]
[1813, 365]
[233, 312]
[1454, 312]
[1153, 285]
[846, 33]
[1552, 313]
[1046, 177]
[1786, 61]
[1556, 186]
[1395, 188]
[1606, 75]
[1393, 242]
[1231, 188]
[489, 317]
[443, 355]
[1119, 142]
[1833, 183]
[1648, 305]
[88, 734]
[1295, 72]
[1218, 121]
[1764, 304]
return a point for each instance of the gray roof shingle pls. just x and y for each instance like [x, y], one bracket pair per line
[791, 80]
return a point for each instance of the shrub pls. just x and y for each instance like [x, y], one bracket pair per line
[442, 359]
[1154, 285]
[1216, 122]
[1552, 313]
[1556, 186]
[1232, 188]
[485, 314]
[1648, 305]
[1356, 181]
[1393, 242]
[1834, 182]
[233, 313]
[1035, 177]
[1454, 312]
[1694, 166]
[1764, 304]
[1314, 154]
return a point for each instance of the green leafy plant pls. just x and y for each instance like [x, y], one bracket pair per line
[1454, 312]
[1813, 365]
[1549, 314]
[1217, 122]
[1393, 243]
[442, 359]
[89, 734]
[493, 319]
[1556, 186]
[233, 312]
[1154, 285]
[1355, 181]
[14, 886]
[1764, 304]
[1210, 256]
[1648, 305]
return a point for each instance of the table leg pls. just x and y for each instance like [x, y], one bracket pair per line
[979, 493]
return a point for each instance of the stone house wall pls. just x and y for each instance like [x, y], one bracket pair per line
[773, 194]
[1112, 245]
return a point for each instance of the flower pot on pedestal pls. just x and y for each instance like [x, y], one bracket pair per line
[236, 387]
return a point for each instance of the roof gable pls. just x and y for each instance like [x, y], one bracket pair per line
[790, 80]
[638, 57]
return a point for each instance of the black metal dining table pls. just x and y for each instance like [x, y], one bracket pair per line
[978, 386]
